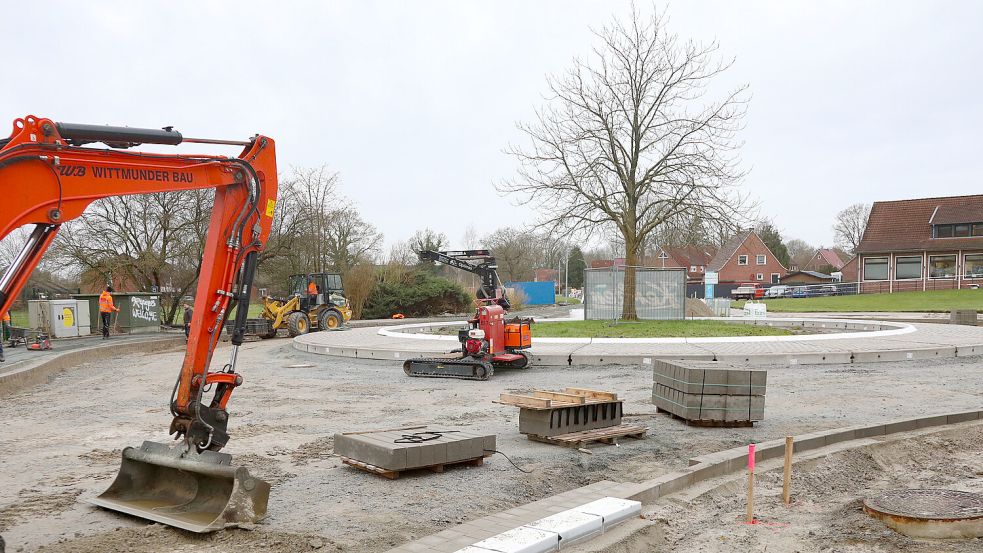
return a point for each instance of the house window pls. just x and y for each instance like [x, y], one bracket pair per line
[776, 278]
[663, 255]
[942, 266]
[906, 268]
[943, 231]
[692, 268]
[960, 231]
[742, 260]
[761, 260]
[973, 266]
[759, 276]
[875, 268]
[977, 229]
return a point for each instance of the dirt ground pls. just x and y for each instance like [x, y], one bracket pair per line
[61, 443]
[826, 513]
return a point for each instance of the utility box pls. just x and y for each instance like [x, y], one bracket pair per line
[58, 318]
[139, 312]
[83, 317]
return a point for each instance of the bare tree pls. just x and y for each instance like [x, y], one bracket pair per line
[470, 239]
[149, 241]
[799, 252]
[518, 252]
[428, 239]
[848, 229]
[630, 141]
[349, 240]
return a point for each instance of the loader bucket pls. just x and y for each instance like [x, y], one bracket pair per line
[200, 492]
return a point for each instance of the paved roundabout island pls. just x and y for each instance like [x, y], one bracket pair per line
[836, 341]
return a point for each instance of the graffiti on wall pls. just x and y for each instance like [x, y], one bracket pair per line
[145, 309]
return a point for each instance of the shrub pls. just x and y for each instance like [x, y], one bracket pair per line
[418, 295]
[517, 298]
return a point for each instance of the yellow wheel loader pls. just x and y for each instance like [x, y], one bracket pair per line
[317, 302]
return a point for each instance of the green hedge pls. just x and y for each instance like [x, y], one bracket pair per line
[421, 295]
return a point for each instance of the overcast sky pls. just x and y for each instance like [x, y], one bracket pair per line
[413, 102]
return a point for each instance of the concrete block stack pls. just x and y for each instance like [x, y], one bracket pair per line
[547, 413]
[710, 392]
[389, 452]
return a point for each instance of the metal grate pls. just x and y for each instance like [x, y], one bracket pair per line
[928, 504]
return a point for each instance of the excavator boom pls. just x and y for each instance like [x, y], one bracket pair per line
[47, 178]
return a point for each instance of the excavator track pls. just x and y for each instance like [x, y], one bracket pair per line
[438, 367]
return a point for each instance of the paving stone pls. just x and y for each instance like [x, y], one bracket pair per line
[380, 449]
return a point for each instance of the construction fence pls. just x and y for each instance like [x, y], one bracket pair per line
[660, 294]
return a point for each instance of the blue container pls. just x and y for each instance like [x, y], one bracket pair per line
[538, 293]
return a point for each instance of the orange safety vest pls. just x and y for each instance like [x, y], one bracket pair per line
[312, 289]
[6, 317]
[106, 303]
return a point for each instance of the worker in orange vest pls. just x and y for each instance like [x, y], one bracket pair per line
[312, 288]
[106, 308]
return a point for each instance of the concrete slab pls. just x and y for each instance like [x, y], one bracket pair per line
[612, 509]
[522, 540]
[570, 525]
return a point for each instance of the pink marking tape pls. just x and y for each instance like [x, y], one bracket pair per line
[750, 457]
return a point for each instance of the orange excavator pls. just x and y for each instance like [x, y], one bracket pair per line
[49, 174]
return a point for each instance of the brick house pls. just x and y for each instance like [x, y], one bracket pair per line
[692, 258]
[922, 244]
[824, 260]
[850, 270]
[746, 258]
[546, 275]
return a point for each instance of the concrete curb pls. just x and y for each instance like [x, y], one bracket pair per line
[916, 351]
[38, 372]
[849, 329]
[734, 460]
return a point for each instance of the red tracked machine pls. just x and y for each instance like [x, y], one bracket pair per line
[490, 340]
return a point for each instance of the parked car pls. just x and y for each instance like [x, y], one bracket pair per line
[748, 291]
[779, 291]
[800, 292]
[828, 290]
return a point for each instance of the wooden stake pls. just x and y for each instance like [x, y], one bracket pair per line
[787, 481]
[750, 484]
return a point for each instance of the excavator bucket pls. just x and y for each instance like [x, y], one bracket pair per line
[200, 492]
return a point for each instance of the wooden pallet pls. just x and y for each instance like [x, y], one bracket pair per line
[608, 435]
[708, 423]
[394, 474]
[546, 399]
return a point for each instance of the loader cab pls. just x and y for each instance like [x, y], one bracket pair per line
[329, 289]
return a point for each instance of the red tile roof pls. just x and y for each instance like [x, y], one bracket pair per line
[904, 225]
[831, 258]
[690, 256]
[727, 251]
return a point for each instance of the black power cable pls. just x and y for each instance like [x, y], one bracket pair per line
[509, 460]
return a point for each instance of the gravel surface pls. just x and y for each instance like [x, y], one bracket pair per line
[61, 443]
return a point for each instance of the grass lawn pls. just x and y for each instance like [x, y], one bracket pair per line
[931, 301]
[566, 300]
[651, 329]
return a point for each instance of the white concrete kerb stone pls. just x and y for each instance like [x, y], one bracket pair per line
[893, 329]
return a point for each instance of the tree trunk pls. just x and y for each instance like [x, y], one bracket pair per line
[628, 312]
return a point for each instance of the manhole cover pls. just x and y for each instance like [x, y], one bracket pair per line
[930, 513]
